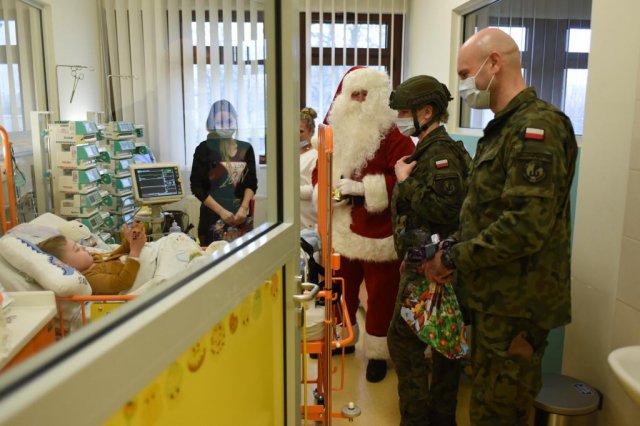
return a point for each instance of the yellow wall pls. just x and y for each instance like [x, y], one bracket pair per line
[234, 375]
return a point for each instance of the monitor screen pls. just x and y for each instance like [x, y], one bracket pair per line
[157, 183]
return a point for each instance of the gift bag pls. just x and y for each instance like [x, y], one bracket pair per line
[225, 232]
[433, 313]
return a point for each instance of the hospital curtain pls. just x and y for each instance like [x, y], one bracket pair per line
[22, 86]
[167, 61]
[338, 34]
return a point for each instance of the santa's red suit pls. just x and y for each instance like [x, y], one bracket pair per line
[367, 145]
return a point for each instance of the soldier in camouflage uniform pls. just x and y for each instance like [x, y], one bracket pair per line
[513, 249]
[427, 199]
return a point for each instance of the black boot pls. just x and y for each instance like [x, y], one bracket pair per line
[376, 370]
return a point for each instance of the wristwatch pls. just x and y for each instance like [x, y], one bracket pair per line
[446, 259]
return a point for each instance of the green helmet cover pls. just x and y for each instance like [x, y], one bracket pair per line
[419, 91]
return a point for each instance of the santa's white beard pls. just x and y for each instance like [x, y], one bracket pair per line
[358, 128]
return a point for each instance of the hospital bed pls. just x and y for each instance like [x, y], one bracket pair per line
[18, 274]
[24, 268]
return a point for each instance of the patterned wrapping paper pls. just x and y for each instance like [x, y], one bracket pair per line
[433, 313]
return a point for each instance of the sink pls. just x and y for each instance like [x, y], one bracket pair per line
[625, 363]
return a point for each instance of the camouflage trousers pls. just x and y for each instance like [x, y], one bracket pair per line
[506, 355]
[422, 401]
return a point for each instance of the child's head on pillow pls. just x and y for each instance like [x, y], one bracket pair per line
[68, 251]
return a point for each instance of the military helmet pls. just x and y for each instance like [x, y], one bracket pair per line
[419, 91]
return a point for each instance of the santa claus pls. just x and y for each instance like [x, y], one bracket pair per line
[367, 145]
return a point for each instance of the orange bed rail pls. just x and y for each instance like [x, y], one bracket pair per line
[11, 189]
[83, 300]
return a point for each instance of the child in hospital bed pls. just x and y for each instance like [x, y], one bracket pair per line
[104, 271]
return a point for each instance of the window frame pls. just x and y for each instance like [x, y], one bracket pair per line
[556, 70]
[234, 49]
[347, 56]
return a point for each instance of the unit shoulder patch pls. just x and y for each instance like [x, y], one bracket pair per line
[447, 184]
[534, 167]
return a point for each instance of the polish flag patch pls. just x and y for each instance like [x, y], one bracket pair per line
[441, 164]
[533, 133]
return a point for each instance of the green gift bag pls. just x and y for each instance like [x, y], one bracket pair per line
[433, 313]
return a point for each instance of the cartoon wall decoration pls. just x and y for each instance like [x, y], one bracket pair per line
[238, 362]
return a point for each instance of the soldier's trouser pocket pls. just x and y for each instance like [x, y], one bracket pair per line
[512, 381]
[504, 389]
[506, 377]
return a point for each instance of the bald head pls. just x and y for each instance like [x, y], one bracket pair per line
[490, 40]
[491, 54]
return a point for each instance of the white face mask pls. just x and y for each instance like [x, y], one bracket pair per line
[405, 125]
[304, 144]
[474, 97]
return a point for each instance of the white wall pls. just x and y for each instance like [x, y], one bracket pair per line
[433, 35]
[606, 249]
[429, 49]
[75, 32]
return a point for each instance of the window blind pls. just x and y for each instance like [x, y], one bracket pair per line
[183, 55]
[339, 34]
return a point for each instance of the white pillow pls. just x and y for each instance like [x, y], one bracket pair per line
[35, 233]
[46, 269]
[14, 280]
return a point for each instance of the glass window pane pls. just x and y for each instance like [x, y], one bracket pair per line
[574, 98]
[579, 40]
[519, 34]
[253, 49]
[251, 128]
[12, 33]
[5, 98]
[373, 36]
[538, 29]
[321, 96]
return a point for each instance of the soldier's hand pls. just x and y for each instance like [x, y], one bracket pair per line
[402, 268]
[402, 169]
[435, 271]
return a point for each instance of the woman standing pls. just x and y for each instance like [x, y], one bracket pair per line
[223, 174]
[426, 200]
[308, 159]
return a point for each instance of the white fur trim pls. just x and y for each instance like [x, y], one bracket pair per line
[376, 197]
[314, 197]
[366, 79]
[355, 246]
[375, 347]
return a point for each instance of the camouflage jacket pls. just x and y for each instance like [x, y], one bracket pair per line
[430, 198]
[514, 251]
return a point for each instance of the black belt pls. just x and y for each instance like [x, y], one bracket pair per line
[357, 200]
